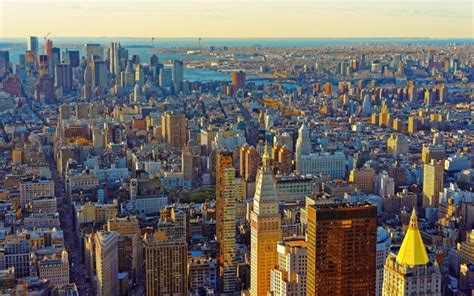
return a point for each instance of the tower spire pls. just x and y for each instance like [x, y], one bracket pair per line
[412, 251]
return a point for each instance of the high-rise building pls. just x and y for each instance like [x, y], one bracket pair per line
[114, 59]
[433, 183]
[63, 77]
[174, 129]
[384, 244]
[166, 77]
[165, 265]
[288, 277]
[265, 225]
[99, 74]
[71, 57]
[178, 78]
[364, 179]
[303, 143]
[33, 48]
[4, 63]
[106, 260]
[410, 272]
[341, 249]
[429, 152]
[466, 249]
[128, 230]
[397, 145]
[238, 80]
[43, 65]
[226, 197]
[249, 162]
[93, 51]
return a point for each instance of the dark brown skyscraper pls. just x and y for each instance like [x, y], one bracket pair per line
[342, 249]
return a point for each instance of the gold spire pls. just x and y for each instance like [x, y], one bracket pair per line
[412, 252]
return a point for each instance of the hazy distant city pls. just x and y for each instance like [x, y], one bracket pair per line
[236, 166]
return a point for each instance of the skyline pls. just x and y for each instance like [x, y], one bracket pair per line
[237, 19]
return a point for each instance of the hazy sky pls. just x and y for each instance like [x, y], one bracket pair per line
[237, 18]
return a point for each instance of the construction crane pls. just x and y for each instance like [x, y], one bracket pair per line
[47, 35]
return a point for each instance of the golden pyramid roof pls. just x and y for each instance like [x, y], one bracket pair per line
[412, 252]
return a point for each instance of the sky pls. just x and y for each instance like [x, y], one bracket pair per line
[238, 18]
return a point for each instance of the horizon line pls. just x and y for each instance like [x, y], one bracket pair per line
[197, 37]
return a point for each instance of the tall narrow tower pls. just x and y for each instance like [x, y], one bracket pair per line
[265, 230]
[303, 145]
[226, 197]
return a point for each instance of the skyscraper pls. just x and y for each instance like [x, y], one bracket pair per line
[166, 79]
[410, 272]
[341, 249]
[33, 48]
[165, 265]
[4, 63]
[226, 196]
[63, 77]
[174, 129]
[288, 277]
[114, 59]
[106, 260]
[265, 230]
[99, 74]
[93, 51]
[433, 182]
[238, 80]
[178, 68]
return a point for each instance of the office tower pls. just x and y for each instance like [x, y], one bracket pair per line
[412, 124]
[127, 78]
[93, 51]
[435, 151]
[433, 183]
[397, 145]
[174, 129]
[71, 57]
[384, 243]
[178, 68]
[48, 48]
[165, 265]
[249, 162]
[33, 48]
[410, 272]
[384, 184]
[466, 249]
[328, 163]
[99, 74]
[303, 143]
[4, 63]
[114, 59]
[63, 77]
[367, 106]
[43, 65]
[288, 277]
[364, 179]
[341, 249]
[44, 89]
[265, 224]
[106, 260]
[130, 244]
[139, 75]
[166, 79]
[226, 197]
[55, 56]
[238, 80]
